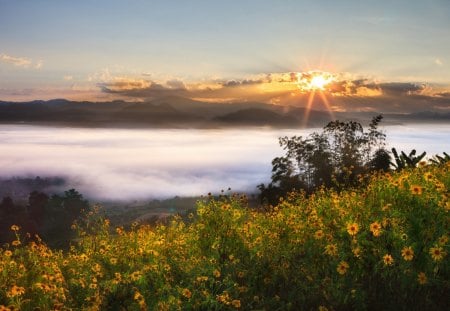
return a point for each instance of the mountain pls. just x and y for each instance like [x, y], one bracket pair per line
[257, 117]
[179, 112]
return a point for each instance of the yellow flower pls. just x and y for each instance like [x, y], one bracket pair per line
[331, 249]
[15, 291]
[136, 275]
[352, 228]
[356, 252]
[388, 260]
[216, 273]
[318, 235]
[422, 278]
[437, 253]
[428, 176]
[407, 253]
[15, 228]
[236, 303]
[416, 189]
[375, 228]
[186, 293]
[113, 261]
[342, 267]
[16, 243]
[8, 253]
[443, 240]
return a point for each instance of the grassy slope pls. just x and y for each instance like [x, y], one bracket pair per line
[302, 255]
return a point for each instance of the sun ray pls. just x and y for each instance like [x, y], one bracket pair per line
[308, 108]
[327, 104]
[315, 82]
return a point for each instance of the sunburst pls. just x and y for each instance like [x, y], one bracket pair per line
[313, 82]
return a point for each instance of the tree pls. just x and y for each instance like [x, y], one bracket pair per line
[334, 158]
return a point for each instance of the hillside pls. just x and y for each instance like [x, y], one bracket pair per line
[383, 247]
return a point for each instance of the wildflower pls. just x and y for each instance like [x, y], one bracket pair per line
[16, 243]
[375, 228]
[386, 207]
[8, 253]
[138, 296]
[15, 228]
[437, 253]
[241, 274]
[356, 252]
[113, 261]
[407, 253]
[331, 249]
[216, 273]
[15, 291]
[186, 293]
[236, 303]
[318, 235]
[428, 176]
[136, 275]
[342, 267]
[422, 278]
[352, 228]
[93, 286]
[96, 268]
[443, 240]
[388, 260]
[416, 189]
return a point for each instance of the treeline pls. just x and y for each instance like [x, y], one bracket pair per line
[342, 156]
[49, 217]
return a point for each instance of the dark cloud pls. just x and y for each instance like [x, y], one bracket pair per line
[396, 88]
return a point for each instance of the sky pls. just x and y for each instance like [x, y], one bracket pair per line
[224, 50]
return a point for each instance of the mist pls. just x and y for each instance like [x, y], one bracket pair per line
[132, 164]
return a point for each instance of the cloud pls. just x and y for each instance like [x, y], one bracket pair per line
[16, 61]
[345, 92]
[20, 61]
[438, 62]
[68, 78]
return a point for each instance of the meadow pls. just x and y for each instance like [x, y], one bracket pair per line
[383, 246]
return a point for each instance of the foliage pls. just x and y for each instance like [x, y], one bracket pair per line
[384, 247]
[403, 160]
[437, 159]
[50, 218]
[337, 157]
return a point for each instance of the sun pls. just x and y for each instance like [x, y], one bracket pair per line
[318, 82]
[314, 80]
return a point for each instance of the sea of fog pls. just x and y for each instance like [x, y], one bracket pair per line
[122, 164]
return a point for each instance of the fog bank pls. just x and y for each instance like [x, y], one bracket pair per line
[121, 164]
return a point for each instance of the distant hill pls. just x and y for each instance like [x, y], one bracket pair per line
[179, 112]
[258, 117]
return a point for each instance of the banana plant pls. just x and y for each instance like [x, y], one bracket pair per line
[438, 160]
[403, 160]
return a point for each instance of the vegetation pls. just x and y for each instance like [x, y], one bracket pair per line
[48, 217]
[382, 247]
[338, 157]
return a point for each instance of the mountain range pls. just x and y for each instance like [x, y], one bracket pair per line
[179, 112]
